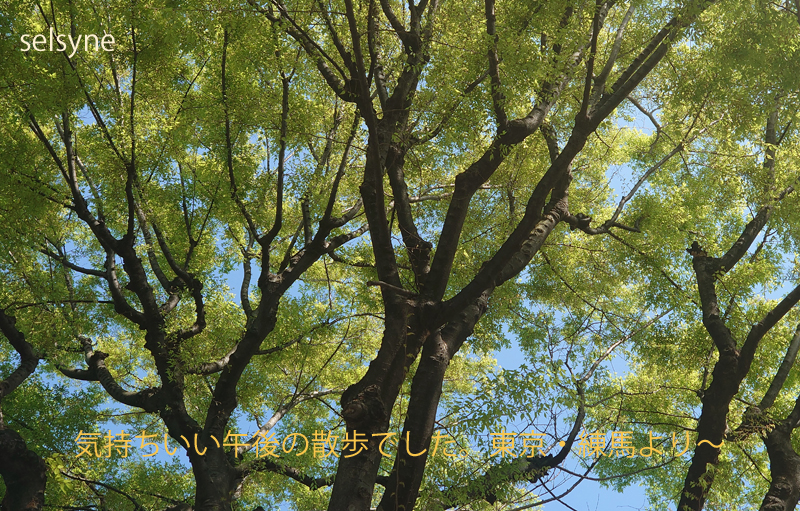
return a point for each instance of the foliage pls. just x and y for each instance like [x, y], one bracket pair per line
[308, 217]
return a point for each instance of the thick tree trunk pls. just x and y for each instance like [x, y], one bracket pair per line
[24, 474]
[712, 426]
[216, 480]
[404, 482]
[784, 490]
[365, 415]
[366, 408]
[402, 489]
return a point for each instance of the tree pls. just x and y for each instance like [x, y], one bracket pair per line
[369, 158]
[23, 471]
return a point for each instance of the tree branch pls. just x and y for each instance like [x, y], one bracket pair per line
[144, 399]
[29, 357]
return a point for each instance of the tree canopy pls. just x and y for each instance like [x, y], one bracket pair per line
[258, 254]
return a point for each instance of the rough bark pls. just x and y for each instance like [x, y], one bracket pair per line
[784, 463]
[216, 480]
[366, 407]
[24, 474]
[23, 471]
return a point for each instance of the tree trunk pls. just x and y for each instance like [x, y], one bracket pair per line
[216, 480]
[365, 415]
[784, 490]
[712, 426]
[366, 408]
[406, 477]
[24, 474]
